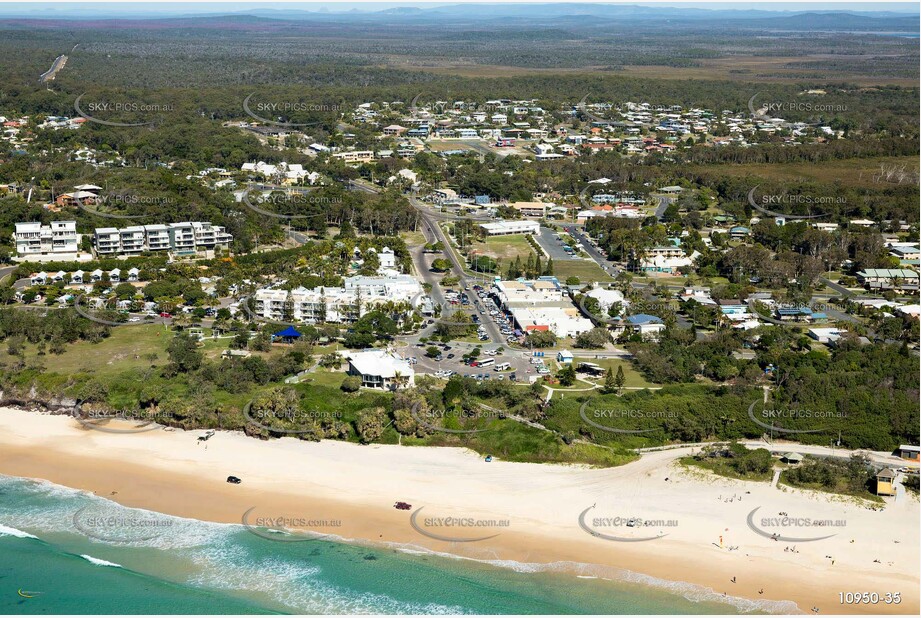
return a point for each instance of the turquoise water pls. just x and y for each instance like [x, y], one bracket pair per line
[53, 550]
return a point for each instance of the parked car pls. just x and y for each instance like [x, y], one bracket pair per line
[234, 480]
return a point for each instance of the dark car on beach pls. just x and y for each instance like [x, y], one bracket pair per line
[234, 479]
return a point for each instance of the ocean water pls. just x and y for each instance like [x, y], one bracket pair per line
[69, 552]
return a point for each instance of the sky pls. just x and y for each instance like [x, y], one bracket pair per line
[7, 7]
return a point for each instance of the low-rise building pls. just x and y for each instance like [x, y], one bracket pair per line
[380, 369]
[502, 228]
[537, 210]
[355, 156]
[648, 326]
[825, 335]
[899, 279]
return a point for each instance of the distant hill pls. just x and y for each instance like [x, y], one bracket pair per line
[501, 15]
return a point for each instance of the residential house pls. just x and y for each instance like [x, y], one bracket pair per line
[648, 326]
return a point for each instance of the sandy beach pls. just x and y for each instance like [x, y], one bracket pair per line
[511, 512]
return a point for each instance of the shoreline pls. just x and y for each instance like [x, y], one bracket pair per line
[355, 487]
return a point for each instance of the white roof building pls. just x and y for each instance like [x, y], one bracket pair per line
[502, 228]
[381, 369]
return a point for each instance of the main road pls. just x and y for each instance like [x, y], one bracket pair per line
[433, 233]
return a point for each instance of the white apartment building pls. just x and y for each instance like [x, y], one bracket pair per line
[37, 240]
[344, 304]
[355, 156]
[184, 238]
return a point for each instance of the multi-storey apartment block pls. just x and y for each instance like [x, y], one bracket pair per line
[35, 239]
[184, 238]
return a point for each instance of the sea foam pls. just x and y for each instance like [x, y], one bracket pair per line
[8, 531]
[99, 561]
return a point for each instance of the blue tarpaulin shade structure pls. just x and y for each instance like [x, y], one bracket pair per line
[289, 334]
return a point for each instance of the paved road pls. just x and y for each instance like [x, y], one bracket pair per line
[432, 230]
[840, 289]
[664, 203]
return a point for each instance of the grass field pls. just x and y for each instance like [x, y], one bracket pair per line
[505, 248]
[633, 377]
[127, 348]
[585, 270]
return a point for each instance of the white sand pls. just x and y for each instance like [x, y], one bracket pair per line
[169, 471]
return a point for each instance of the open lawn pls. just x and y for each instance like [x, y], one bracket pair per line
[128, 347]
[585, 270]
[633, 377]
[504, 248]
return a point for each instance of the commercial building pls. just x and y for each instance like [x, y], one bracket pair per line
[58, 239]
[541, 304]
[531, 209]
[184, 238]
[504, 228]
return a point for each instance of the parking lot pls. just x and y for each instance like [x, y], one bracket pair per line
[492, 359]
[552, 245]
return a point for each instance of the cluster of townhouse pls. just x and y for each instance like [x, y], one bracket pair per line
[79, 277]
[282, 173]
[185, 238]
[341, 305]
